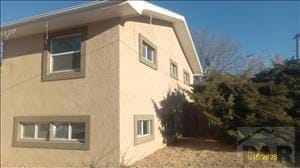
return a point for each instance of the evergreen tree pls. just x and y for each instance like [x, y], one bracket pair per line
[284, 75]
[233, 101]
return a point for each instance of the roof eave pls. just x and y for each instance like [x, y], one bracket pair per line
[139, 8]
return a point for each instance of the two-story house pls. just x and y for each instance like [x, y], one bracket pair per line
[78, 84]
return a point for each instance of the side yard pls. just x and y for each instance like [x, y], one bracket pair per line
[197, 153]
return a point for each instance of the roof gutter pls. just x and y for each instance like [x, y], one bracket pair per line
[58, 13]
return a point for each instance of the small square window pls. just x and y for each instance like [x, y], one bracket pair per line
[34, 131]
[143, 128]
[148, 52]
[69, 131]
[78, 131]
[60, 131]
[28, 131]
[173, 69]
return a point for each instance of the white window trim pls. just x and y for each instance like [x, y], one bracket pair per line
[146, 52]
[69, 133]
[142, 128]
[36, 128]
[61, 54]
[65, 53]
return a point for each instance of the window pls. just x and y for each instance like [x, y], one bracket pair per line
[173, 69]
[69, 131]
[52, 132]
[186, 77]
[34, 131]
[61, 131]
[64, 55]
[143, 128]
[148, 52]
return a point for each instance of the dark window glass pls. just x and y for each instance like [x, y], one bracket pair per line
[66, 44]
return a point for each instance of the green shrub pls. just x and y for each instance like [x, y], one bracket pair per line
[234, 101]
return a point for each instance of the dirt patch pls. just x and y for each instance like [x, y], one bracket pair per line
[197, 153]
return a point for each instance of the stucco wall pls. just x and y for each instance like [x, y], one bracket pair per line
[97, 95]
[116, 87]
[141, 86]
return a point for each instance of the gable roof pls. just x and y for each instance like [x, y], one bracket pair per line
[103, 10]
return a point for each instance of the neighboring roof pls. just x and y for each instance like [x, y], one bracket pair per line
[102, 10]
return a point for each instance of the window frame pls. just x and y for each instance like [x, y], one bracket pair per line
[63, 53]
[70, 130]
[36, 131]
[144, 138]
[185, 72]
[172, 62]
[47, 73]
[50, 142]
[143, 40]
[149, 123]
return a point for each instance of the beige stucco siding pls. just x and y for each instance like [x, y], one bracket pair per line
[116, 87]
[24, 94]
[140, 84]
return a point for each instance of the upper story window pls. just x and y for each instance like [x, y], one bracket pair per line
[186, 77]
[173, 69]
[148, 52]
[64, 55]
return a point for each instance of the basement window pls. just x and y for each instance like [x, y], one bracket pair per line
[34, 131]
[143, 126]
[69, 131]
[61, 132]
